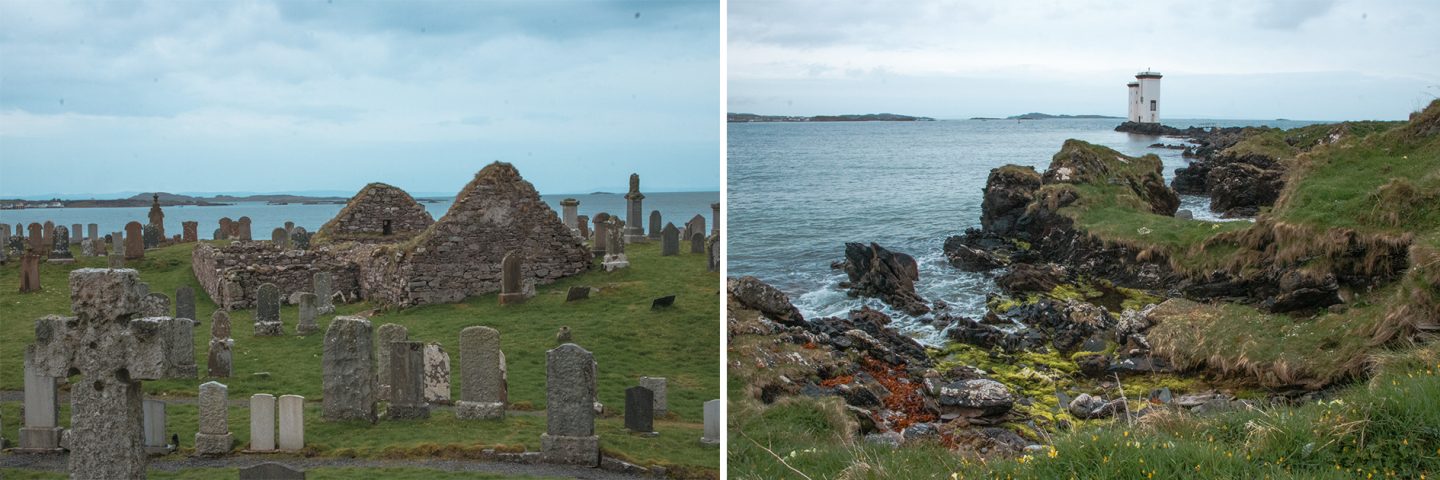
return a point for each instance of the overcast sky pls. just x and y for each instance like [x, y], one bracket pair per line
[1297, 59]
[265, 96]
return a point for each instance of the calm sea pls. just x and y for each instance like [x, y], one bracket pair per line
[675, 207]
[799, 191]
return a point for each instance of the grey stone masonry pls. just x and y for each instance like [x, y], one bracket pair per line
[658, 386]
[348, 383]
[634, 212]
[655, 225]
[190, 231]
[104, 337]
[483, 390]
[262, 422]
[292, 423]
[218, 364]
[185, 302]
[155, 305]
[569, 436]
[407, 381]
[214, 437]
[437, 374]
[323, 293]
[387, 333]
[639, 410]
[583, 223]
[267, 311]
[378, 213]
[670, 240]
[41, 433]
[712, 423]
[510, 284]
[307, 323]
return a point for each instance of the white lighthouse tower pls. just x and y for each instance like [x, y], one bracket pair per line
[1145, 108]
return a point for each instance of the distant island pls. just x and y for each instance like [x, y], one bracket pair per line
[1041, 116]
[169, 200]
[869, 117]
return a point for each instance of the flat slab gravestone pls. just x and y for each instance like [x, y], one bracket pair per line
[407, 377]
[662, 302]
[658, 386]
[577, 293]
[218, 361]
[155, 428]
[267, 311]
[309, 309]
[712, 423]
[262, 422]
[387, 334]
[292, 423]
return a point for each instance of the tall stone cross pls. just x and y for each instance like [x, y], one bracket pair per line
[113, 350]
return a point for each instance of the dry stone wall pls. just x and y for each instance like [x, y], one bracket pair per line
[231, 274]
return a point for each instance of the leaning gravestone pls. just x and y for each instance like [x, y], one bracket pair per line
[577, 293]
[658, 386]
[104, 337]
[482, 375]
[569, 436]
[712, 423]
[348, 384]
[323, 293]
[670, 240]
[185, 303]
[387, 333]
[267, 311]
[511, 291]
[214, 437]
[307, 323]
[639, 410]
[271, 471]
[407, 381]
[134, 243]
[219, 363]
[437, 374]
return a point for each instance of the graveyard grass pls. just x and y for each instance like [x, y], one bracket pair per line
[629, 340]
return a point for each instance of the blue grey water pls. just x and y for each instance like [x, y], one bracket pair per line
[676, 207]
[799, 191]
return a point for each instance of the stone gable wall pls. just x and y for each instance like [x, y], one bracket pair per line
[364, 216]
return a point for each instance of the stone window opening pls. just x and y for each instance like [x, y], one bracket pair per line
[385, 228]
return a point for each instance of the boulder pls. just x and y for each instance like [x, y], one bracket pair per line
[983, 397]
[1240, 188]
[768, 300]
[877, 272]
[1008, 190]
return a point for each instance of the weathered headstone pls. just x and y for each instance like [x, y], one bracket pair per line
[103, 338]
[267, 311]
[510, 283]
[694, 226]
[482, 383]
[639, 410]
[77, 235]
[669, 240]
[41, 433]
[155, 305]
[271, 471]
[242, 229]
[92, 231]
[151, 236]
[300, 238]
[323, 293]
[134, 242]
[568, 207]
[615, 258]
[292, 422]
[437, 374]
[348, 383]
[712, 249]
[289, 226]
[387, 333]
[715, 218]
[601, 234]
[185, 302]
[60, 249]
[407, 381]
[655, 225]
[307, 323]
[36, 238]
[658, 386]
[190, 231]
[262, 422]
[634, 212]
[214, 437]
[47, 237]
[29, 272]
[155, 427]
[218, 364]
[227, 229]
[577, 293]
[697, 243]
[583, 222]
[569, 436]
[280, 238]
[712, 423]
[157, 216]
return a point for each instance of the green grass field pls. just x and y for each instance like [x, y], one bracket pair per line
[629, 340]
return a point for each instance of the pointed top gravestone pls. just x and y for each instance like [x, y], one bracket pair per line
[510, 283]
[670, 240]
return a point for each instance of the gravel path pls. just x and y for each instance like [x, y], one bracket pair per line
[56, 463]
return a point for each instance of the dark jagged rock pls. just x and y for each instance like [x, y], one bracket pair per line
[1007, 192]
[880, 273]
[1239, 189]
[1024, 278]
[883, 342]
[770, 301]
[1299, 291]
[980, 250]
